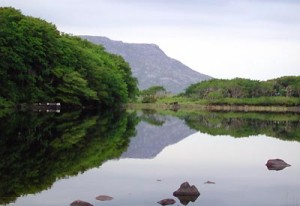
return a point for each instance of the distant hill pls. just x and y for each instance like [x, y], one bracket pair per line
[151, 66]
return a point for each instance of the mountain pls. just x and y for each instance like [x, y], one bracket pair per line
[151, 66]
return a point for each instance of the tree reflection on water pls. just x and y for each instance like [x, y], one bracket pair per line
[36, 149]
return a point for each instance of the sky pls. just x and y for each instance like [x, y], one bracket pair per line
[254, 39]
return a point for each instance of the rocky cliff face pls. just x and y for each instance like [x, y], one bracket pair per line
[151, 66]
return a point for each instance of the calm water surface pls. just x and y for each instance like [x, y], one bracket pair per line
[165, 151]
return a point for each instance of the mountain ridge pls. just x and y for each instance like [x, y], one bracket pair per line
[150, 65]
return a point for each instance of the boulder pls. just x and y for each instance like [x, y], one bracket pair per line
[186, 193]
[167, 202]
[80, 203]
[276, 164]
[186, 190]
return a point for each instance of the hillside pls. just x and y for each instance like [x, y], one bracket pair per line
[151, 66]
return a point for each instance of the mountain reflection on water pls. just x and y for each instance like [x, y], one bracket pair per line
[154, 133]
[38, 149]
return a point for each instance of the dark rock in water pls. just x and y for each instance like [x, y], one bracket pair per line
[167, 202]
[186, 190]
[80, 203]
[186, 193]
[104, 198]
[277, 164]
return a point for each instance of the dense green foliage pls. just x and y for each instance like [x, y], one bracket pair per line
[39, 64]
[151, 94]
[284, 91]
[36, 149]
[155, 90]
[244, 88]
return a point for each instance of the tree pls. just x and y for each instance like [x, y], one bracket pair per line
[38, 64]
[154, 91]
[71, 86]
[244, 88]
[151, 94]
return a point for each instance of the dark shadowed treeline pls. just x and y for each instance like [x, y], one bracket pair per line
[40, 64]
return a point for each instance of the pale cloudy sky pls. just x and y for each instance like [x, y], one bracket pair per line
[256, 39]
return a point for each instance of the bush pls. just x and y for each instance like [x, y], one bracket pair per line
[149, 99]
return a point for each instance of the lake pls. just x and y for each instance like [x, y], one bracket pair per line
[142, 157]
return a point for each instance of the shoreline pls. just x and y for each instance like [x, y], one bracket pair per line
[221, 108]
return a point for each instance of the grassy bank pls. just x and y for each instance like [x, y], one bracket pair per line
[259, 101]
[260, 104]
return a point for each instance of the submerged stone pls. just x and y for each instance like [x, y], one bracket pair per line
[104, 198]
[276, 164]
[186, 193]
[167, 202]
[209, 182]
[80, 203]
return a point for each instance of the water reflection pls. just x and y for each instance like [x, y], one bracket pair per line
[154, 133]
[157, 131]
[185, 200]
[39, 150]
[36, 149]
[282, 126]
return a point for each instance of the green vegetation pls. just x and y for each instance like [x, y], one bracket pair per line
[40, 64]
[281, 91]
[233, 95]
[276, 95]
[37, 149]
[261, 101]
[151, 94]
[5, 103]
